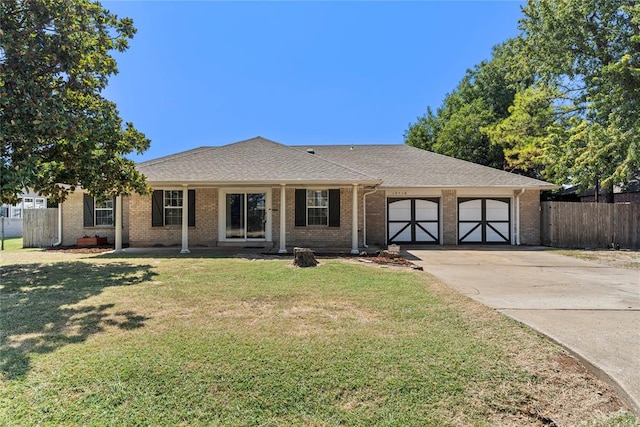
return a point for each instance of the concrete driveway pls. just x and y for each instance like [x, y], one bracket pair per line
[592, 309]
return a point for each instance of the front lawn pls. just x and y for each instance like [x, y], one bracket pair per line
[112, 340]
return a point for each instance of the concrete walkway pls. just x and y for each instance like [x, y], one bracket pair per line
[589, 308]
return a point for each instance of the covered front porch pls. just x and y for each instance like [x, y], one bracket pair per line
[274, 217]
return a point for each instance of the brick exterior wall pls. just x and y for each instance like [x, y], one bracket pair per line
[73, 222]
[318, 236]
[275, 216]
[449, 218]
[137, 229]
[529, 217]
[376, 219]
[205, 233]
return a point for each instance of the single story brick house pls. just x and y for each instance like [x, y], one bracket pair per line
[259, 192]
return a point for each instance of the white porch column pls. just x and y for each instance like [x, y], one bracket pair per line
[354, 222]
[118, 214]
[283, 220]
[185, 220]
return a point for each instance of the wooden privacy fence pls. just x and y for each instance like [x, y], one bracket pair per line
[590, 225]
[39, 227]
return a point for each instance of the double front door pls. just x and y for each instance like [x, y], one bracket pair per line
[246, 216]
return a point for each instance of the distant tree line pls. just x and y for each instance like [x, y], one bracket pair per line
[560, 102]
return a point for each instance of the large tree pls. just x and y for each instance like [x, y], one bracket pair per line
[57, 131]
[582, 114]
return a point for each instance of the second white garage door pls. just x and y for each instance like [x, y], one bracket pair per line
[484, 220]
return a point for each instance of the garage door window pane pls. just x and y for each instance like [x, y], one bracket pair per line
[474, 236]
[497, 210]
[493, 236]
[426, 210]
[422, 236]
[404, 236]
[400, 210]
[471, 210]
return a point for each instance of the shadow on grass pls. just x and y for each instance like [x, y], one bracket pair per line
[40, 308]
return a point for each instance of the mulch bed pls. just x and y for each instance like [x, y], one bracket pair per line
[396, 262]
[81, 250]
[386, 258]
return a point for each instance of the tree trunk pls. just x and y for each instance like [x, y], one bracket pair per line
[304, 257]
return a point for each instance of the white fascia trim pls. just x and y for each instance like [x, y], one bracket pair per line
[245, 184]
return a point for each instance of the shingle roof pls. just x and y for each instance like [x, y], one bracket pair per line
[259, 160]
[256, 160]
[405, 166]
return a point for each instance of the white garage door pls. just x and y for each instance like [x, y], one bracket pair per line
[414, 220]
[484, 221]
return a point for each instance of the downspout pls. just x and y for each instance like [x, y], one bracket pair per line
[364, 216]
[518, 216]
[59, 242]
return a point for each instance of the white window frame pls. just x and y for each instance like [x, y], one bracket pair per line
[314, 206]
[168, 196]
[99, 207]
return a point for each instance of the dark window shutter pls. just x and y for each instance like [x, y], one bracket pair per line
[192, 208]
[334, 208]
[157, 210]
[88, 210]
[301, 207]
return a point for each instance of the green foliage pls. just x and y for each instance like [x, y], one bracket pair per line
[530, 126]
[561, 101]
[460, 136]
[588, 53]
[424, 132]
[55, 127]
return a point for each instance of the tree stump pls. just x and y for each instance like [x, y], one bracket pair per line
[304, 257]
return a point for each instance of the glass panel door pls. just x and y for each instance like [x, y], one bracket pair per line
[256, 215]
[235, 216]
[246, 215]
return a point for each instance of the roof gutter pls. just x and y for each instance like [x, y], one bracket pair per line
[270, 183]
[59, 242]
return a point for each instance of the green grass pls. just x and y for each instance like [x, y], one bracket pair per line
[13, 243]
[204, 341]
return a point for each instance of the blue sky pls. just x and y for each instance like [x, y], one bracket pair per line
[301, 73]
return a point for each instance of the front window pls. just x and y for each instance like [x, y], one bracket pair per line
[104, 213]
[317, 207]
[173, 207]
